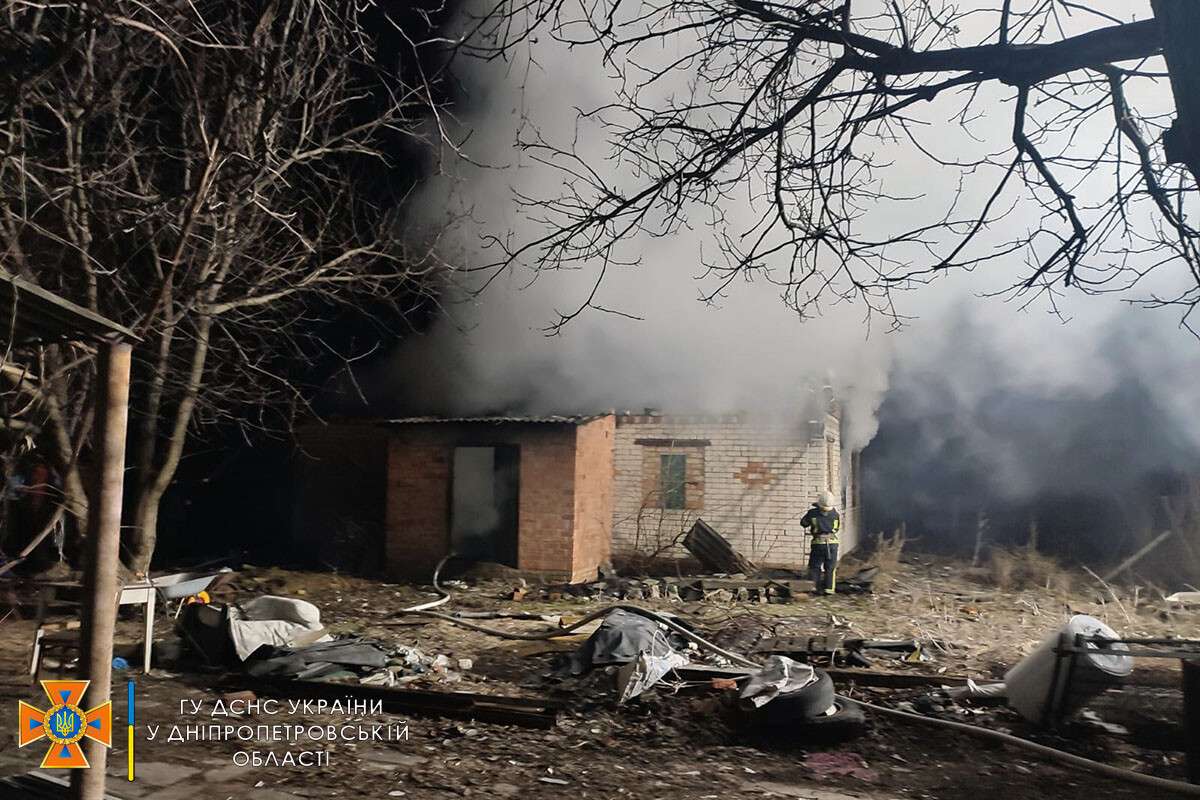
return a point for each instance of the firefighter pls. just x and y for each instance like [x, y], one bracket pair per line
[823, 523]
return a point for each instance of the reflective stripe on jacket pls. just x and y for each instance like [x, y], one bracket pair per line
[823, 525]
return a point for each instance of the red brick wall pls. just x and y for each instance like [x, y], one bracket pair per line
[559, 533]
[418, 504]
[593, 496]
[547, 501]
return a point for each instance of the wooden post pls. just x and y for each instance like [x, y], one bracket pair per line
[1179, 21]
[981, 525]
[100, 582]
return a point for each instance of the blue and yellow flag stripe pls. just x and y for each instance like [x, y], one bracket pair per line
[131, 716]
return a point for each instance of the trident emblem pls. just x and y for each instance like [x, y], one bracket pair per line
[65, 724]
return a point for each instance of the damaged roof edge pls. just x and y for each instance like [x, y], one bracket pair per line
[577, 419]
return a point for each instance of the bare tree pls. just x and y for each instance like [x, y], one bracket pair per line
[808, 112]
[219, 176]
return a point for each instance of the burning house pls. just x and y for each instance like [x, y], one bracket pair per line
[563, 495]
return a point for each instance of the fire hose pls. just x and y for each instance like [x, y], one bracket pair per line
[437, 587]
[569, 629]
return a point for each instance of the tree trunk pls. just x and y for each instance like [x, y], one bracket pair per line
[75, 497]
[139, 544]
[1179, 21]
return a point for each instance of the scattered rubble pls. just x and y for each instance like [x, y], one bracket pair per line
[776, 587]
[927, 655]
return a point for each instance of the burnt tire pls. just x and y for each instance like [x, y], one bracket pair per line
[795, 708]
[846, 722]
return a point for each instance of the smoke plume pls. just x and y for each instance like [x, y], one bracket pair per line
[1062, 413]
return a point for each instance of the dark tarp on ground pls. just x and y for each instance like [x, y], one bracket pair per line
[316, 660]
[620, 638]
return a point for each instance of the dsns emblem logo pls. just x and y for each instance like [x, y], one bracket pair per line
[65, 724]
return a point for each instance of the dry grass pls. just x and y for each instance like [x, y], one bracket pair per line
[1028, 568]
[885, 554]
[1003, 567]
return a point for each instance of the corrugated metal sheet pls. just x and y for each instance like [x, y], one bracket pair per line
[29, 313]
[548, 419]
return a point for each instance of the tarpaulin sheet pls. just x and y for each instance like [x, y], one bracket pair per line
[271, 620]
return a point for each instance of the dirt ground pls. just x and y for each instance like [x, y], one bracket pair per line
[678, 741]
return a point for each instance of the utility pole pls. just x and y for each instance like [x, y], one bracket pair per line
[1179, 21]
[100, 581]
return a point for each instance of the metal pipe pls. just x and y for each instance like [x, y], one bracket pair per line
[100, 583]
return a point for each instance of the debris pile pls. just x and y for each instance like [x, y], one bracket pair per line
[671, 662]
[716, 589]
[281, 637]
[771, 586]
[843, 651]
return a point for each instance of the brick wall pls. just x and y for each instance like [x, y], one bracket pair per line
[418, 502]
[593, 497]
[587, 492]
[758, 478]
[547, 504]
[562, 533]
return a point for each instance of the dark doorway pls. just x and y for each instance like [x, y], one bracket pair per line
[483, 516]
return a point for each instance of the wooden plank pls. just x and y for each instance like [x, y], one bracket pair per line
[732, 583]
[101, 584]
[704, 672]
[896, 680]
[34, 314]
[1159, 679]
[800, 645]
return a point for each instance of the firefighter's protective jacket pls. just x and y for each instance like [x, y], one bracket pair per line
[823, 525]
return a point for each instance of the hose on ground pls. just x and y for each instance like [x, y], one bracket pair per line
[445, 596]
[566, 631]
[1071, 759]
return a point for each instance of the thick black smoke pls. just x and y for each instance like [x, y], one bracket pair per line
[1087, 461]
